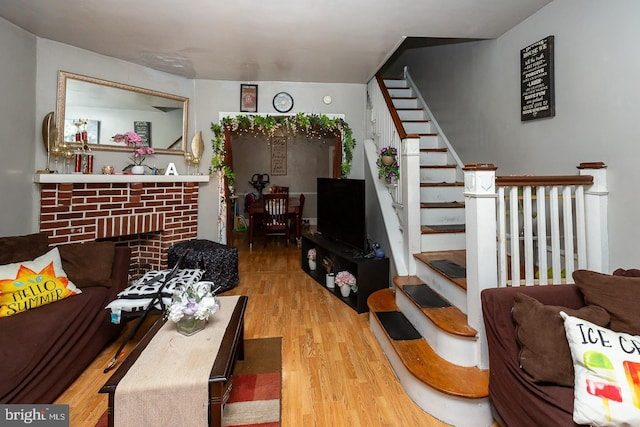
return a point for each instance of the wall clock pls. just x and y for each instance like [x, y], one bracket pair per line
[283, 102]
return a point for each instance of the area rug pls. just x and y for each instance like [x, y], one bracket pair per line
[255, 396]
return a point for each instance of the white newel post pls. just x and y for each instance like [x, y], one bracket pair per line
[596, 201]
[411, 200]
[480, 218]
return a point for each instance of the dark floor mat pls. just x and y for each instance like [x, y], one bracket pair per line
[450, 268]
[397, 326]
[426, 297]
[447, 227]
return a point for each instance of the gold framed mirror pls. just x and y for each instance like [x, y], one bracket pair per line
[112, 108]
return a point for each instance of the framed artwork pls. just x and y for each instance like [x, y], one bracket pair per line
[144, 130]
[537, 92]
[248, 98]
[93, 130]
[278, 156]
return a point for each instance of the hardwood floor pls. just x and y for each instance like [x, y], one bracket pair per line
[334, 372]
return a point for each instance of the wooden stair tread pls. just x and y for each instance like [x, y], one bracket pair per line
[444, 205]
[457, 256]
[438, 166]
[410, 109]
[434, 150]
[449, 319]
[441, 184]
[438, 229]
[423, 362]
[416, 121]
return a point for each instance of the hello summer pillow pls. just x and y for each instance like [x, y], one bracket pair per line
[31, 284]
[607, 374]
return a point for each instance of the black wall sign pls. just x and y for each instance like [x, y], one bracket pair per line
[536, 88]
[144, 130]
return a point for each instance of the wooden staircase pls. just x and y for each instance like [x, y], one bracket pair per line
[421, 322]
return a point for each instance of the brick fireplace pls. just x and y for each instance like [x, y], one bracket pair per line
[149, 216]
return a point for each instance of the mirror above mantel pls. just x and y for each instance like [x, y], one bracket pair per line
[112, 108]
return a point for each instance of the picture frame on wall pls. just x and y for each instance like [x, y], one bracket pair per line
[143, 129]
[93, 130]
[248, 98]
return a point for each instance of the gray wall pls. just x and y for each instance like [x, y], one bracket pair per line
[474, 89]
[17, 129]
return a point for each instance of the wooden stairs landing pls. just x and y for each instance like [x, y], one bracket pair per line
[423, 363]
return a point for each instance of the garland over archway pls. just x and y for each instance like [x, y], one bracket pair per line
[311, 125]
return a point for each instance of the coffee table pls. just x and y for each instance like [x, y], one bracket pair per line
[231, 349]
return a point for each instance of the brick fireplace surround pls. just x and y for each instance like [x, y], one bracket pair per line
[147, 213]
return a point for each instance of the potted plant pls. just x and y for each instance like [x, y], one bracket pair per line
[191, 307]
[311, 256]
[388, 155]
[134, 141]
[347, 283]
[327, 263]
[387, 163]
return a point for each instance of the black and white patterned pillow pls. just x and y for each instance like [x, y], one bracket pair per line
[138, 296]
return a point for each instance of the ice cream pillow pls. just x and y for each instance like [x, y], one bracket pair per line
[607, 374]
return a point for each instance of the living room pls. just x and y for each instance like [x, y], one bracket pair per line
[471, 87]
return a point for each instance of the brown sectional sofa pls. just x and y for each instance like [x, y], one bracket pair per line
[44, 349]
[515, 399]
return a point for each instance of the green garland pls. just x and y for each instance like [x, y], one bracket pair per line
[312, 125]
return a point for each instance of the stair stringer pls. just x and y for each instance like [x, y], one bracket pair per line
[454, 410]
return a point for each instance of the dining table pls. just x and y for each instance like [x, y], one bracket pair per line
[256, 210]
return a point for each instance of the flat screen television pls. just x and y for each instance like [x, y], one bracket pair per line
[341, 212]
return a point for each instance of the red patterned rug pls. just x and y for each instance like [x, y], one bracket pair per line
[256, 392]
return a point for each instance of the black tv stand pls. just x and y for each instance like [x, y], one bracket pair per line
[371, 274]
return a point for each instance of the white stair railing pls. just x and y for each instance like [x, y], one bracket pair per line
[520, 225]
[386, 134]
[387, 130]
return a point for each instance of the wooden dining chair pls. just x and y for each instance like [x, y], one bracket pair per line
[277, 189]
[275, 220]
[296, 218]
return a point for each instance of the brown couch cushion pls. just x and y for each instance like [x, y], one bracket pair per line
[619, 295]
[544, 350]
[88, 264]
[23, 248]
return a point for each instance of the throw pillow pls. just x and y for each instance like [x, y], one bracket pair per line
[607, 379]
[30, 284]
[138, 295]
[23, 248]
[619, 295]
[544, 352]
[88, 264]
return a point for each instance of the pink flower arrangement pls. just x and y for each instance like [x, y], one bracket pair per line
[344, 278]
[312, 254]
[134, 141]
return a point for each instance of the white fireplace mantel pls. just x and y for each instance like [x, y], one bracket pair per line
[73, 178]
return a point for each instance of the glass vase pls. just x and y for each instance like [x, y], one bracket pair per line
[190, 325]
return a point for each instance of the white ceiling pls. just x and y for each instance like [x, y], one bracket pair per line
[334, 41]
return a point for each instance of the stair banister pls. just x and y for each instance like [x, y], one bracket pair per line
[480, 217]
[390, 108]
